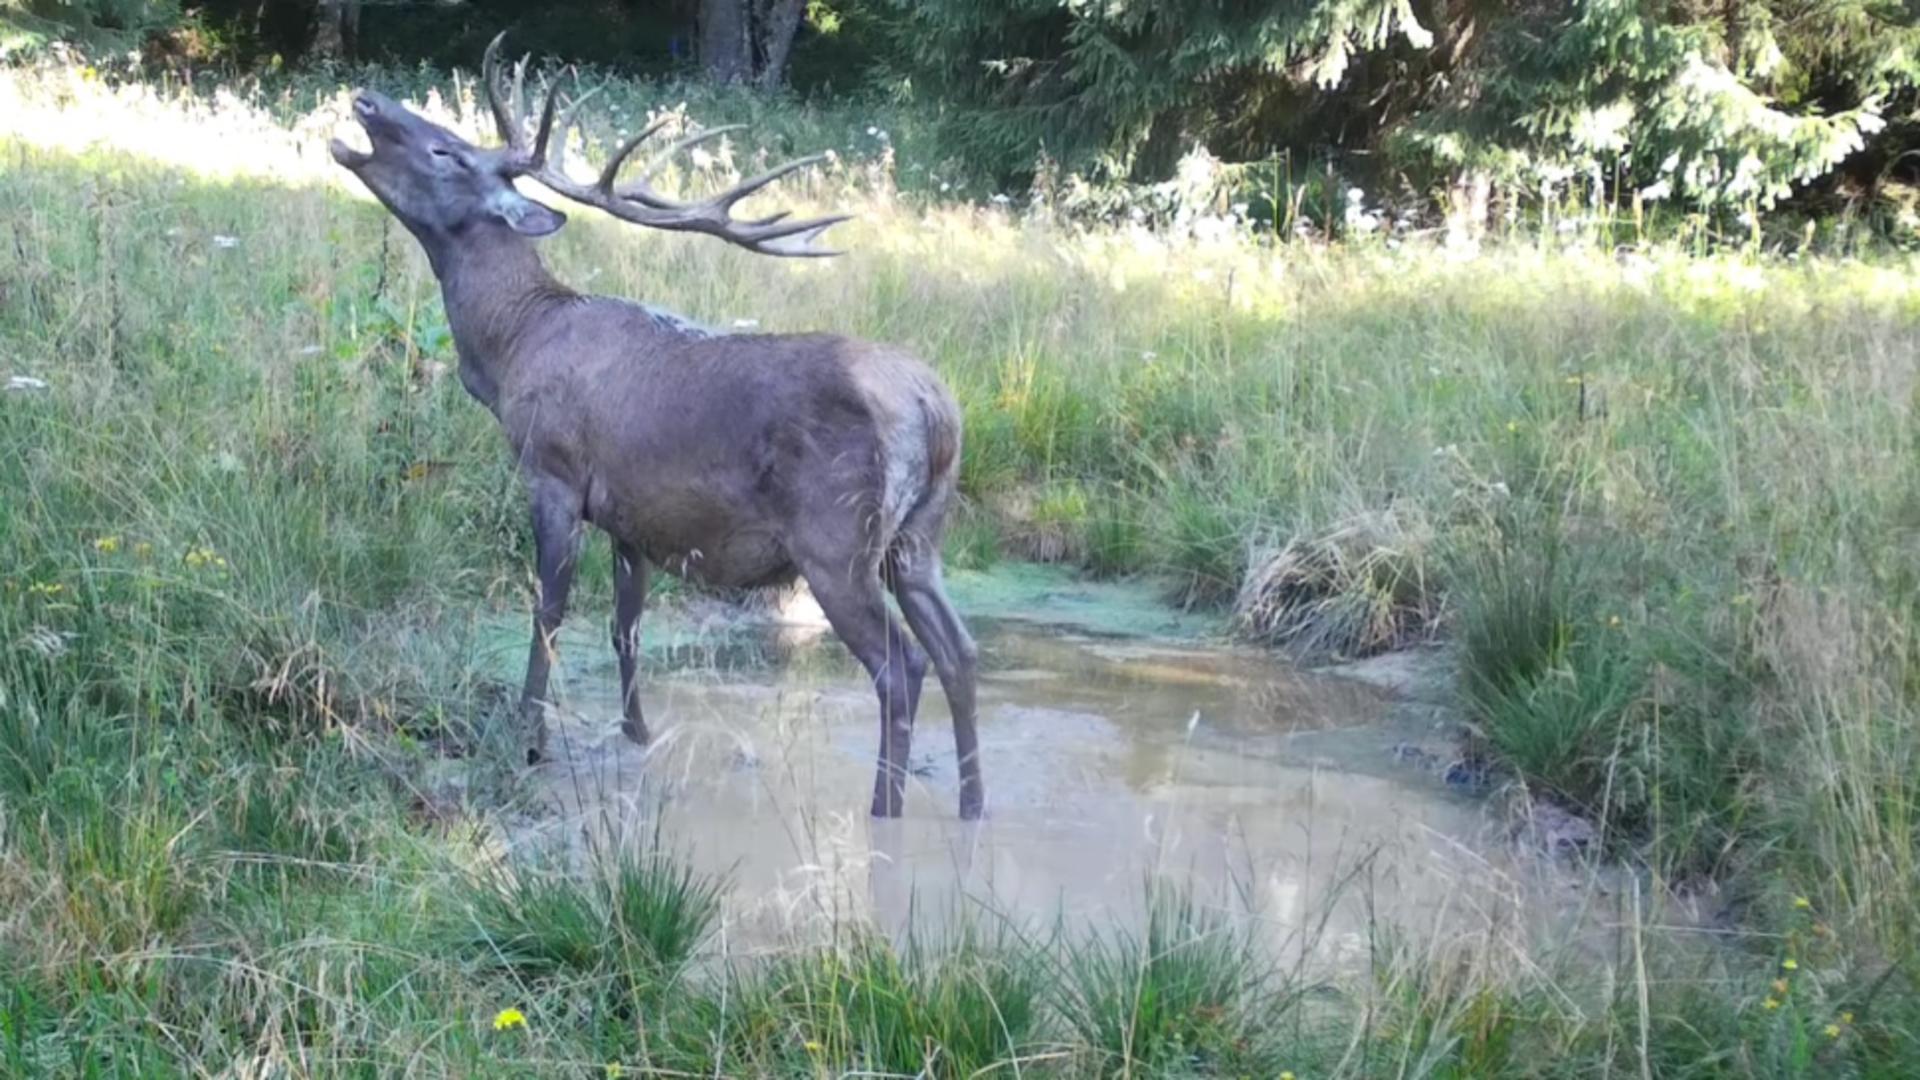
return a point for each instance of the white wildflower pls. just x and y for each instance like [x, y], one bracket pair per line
[20, 384]
[226, 241]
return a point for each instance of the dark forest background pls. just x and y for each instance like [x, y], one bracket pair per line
[1729, 106]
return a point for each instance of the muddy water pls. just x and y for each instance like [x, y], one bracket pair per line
[1109, 759]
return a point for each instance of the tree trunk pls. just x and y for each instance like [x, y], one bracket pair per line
[1468, 207]
[725, 49]
[780, 24]
[335, 25]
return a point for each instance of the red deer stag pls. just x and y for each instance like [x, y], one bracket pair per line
[737, 460]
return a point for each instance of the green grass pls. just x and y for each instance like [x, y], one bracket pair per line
[1661, 506]
[1190, 992]
[637, 919]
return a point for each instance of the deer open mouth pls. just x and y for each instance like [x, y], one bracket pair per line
[344, 153]
[347, 155]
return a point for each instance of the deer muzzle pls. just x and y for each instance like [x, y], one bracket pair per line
[368, 108]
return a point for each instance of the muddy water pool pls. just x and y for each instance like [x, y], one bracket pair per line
[1121, 743]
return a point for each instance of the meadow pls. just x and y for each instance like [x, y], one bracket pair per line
[1661, 501]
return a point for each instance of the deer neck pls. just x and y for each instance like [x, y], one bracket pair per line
[496, 290]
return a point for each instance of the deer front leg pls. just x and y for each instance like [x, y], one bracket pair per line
[630, 576]
[556, 524]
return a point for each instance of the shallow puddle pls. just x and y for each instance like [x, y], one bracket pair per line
[1108, 760]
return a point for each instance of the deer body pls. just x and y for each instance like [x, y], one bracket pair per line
[735, 460]
[712, 456]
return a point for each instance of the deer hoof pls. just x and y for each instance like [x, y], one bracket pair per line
[636, 732]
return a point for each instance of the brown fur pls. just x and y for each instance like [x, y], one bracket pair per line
[741, 461]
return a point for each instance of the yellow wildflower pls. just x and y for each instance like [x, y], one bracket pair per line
[1286, 1076]
[1846, 1018]
[1770, 1004]
[1833, 1031]
[1613, 620]
[1513, 426]
[615, 1070]
[107, 545]
[1790, 964]
[203, 556]
[812, 1047]
[1801, 903]
[46, 588]
[509, 1018]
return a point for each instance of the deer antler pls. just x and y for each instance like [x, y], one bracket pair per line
[636, 201]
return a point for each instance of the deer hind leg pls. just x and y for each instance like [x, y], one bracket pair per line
[917, 583]
[630, 577]
[856, 606]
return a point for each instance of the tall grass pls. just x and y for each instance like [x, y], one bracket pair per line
[1662, 505]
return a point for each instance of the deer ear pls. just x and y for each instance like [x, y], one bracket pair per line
[524, 216]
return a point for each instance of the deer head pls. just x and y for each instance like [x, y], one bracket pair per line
[440, 185]
[435, 182]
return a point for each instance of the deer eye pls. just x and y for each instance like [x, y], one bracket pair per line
[439, 151]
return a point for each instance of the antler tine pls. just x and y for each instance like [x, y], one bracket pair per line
[490, 77]
[739, 191]
[798, 239]
[558, 153]
[684, 143]
[517, 103]
[539, 155]
[641, 190]
[791, 239]
[612, 171]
